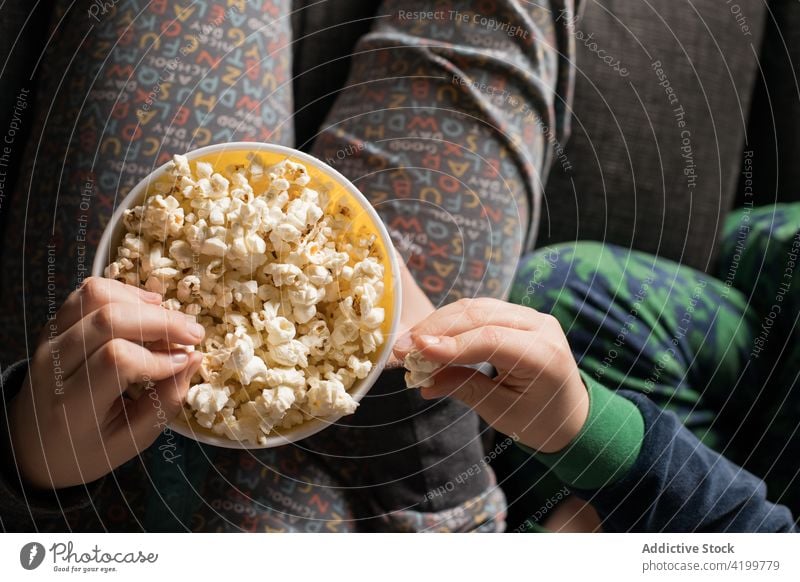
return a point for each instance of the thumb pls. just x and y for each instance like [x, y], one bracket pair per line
[470, 386]
[172, 391]
[149, 415]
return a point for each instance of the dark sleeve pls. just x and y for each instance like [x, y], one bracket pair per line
[677, 484]
[21, 506]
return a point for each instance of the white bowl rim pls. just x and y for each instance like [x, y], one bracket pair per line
[362, 387]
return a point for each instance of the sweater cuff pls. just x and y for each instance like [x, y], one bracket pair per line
[19, 504]
[607, 446]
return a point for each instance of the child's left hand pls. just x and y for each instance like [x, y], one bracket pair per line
[537, 394]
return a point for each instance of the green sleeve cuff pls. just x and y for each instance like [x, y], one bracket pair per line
[607, 446]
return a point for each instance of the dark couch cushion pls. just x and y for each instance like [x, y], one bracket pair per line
[627, 184]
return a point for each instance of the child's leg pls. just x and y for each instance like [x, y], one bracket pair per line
[640, 323]
[179, 485]
[450, 139]
[122, 88]
[150, 80]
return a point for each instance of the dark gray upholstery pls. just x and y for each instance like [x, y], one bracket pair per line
[774, 127]
[23, 27]
[627, 184]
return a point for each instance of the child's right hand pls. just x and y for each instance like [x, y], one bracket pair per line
[70, 423]
[538, 393]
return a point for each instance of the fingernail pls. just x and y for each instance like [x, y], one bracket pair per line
[179, 358]
[427, 393]
[150, 296]
[192, 369]
[404, 343]
[196, 330]
[430, 340]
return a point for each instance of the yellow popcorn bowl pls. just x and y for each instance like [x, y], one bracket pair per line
[339, 190]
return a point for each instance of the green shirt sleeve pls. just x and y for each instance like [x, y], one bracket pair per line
[607, 446]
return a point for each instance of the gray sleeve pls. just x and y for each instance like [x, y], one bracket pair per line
[21, 506]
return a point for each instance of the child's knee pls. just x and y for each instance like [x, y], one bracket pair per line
[544, 275]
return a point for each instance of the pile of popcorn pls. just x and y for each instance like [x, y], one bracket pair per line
[288, 293]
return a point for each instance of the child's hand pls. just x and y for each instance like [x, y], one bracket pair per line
[538, 393]
[70, 424]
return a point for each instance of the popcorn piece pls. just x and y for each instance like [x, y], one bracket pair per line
[304, 313]
[277, 401]
[214, 247]
[371, 340]
[207, 401]
[290, 353]
[247, 426]
[253, 371]
[283, 274]
[318, 275]
[328, 397]
[180, 166]
[293, 418]
[279, 330]
[188, 288]
[419, 370]
[286, 377]
[315, 335]
[181, 253]
[361, 368]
